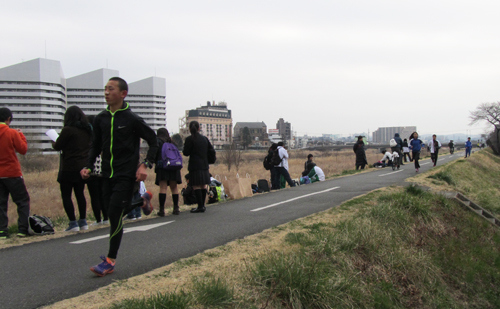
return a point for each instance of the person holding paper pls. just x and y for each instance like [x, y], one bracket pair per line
[74, 142]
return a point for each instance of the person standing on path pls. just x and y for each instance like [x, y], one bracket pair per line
[117, 134]
[434, 149]
[282, 168]
[406, 151]
[398, 148]
[468, 147]
[74, 143]
[415, 146]
[11, 177]
[359, 150]
[197, 147]
[164, 178]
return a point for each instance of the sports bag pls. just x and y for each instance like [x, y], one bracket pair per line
[267, 164]
[171, 159]
[41, 225]
[263, 185]
[392, 143]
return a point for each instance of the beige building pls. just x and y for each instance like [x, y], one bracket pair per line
[215, 123]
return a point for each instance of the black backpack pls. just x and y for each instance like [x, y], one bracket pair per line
[267, 162]
[276, 160]
[41, 225]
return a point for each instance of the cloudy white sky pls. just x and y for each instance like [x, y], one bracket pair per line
[338, 67]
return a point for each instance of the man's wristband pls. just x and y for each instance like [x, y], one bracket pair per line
[147, 164]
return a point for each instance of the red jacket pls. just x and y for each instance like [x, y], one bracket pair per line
[11, 141]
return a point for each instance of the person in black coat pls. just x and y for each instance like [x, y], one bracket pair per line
[359, 149]
[197, 147]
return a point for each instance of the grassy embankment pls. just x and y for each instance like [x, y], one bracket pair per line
[392, 248]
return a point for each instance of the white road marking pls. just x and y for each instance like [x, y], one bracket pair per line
[425, 163]
[141, 228]
[293, 199]
[392, 172]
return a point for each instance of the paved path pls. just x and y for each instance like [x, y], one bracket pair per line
[45, 272]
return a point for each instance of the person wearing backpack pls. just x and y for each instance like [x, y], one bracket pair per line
[280, 161]
[197, 148]
[270, 164]
[11, 177]
[166, 178]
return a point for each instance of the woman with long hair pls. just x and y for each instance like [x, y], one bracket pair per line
[74, 143]
[164, 178]
[197, 147]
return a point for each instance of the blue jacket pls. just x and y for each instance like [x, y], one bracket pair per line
[468, 144]
[416, 145]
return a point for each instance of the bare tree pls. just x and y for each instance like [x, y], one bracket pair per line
[489, 112]
[231, 156]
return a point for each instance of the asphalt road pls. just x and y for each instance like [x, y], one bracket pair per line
[45, 272]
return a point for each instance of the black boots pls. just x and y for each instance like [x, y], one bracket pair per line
[201, 195]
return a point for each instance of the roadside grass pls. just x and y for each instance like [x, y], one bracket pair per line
[403, 248]
[477, 177]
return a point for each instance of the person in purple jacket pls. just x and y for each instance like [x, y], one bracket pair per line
[416, 145]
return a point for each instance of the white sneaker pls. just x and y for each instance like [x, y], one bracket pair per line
[105, 222]
[97, 223]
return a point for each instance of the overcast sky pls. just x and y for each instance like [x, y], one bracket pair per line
[338, 67]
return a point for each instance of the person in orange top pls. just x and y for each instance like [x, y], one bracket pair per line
[11, 177]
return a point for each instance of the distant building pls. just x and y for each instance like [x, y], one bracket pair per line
[258, 132]
[35, 92]
[274, 136]
[285, 129]
[215, 122]
[385, 134]
[147, 99]
[87, 90]
[38, 94]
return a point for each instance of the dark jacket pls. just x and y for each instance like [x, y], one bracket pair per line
[74, 141]
[197, 149]
[359, 149]
[399, 141]
[117, 135]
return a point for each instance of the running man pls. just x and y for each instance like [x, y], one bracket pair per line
[117, 134]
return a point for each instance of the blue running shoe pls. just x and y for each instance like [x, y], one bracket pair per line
[106, 267]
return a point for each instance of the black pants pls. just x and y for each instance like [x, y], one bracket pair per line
[116, 196]
[434, 157]
[409, 157]
[416, 157]
[279, 170]
[17, 189]
[94, 185]
[77, 187]
[360, 166]
[273, 179]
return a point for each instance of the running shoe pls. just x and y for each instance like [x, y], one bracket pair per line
[147, 207]
[22, 235]
[3, 235]
[106, 267]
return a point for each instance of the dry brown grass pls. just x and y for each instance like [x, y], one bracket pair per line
[46, 198]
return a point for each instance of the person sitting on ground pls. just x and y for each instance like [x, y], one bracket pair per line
[188, 193]
[315, 173]
[309, 160]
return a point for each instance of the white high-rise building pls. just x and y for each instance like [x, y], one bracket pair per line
[35, 92]
[147, 99]
[87, 90]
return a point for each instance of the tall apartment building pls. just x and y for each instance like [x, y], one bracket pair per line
[285, 128]
[215, 122]
[38, 94]
[384, 135]
[35, 92]
[147, 99]
[87, 90]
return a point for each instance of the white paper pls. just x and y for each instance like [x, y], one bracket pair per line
[52, 134]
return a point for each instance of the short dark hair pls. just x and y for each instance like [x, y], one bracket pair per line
[5, 114]
[280, 144]
[122, 84]
[309, 155]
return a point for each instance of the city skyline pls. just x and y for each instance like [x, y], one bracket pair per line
[326, 67]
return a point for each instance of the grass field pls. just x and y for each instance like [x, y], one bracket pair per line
[392, 248]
